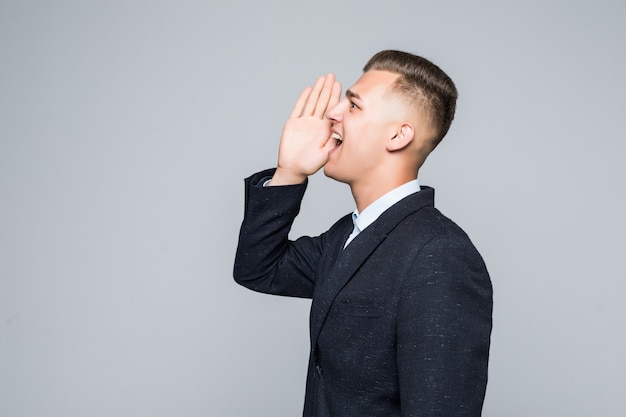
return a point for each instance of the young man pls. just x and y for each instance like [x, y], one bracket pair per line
[401, 300]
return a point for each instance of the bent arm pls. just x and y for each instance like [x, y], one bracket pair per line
[266, 260]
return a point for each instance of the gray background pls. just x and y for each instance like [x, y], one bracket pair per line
[127, 127]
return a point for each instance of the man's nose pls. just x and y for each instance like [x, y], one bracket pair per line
[335, 113]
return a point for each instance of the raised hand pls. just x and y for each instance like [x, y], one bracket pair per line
[305, 143]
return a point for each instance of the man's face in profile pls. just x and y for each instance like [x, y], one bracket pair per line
[362, 123]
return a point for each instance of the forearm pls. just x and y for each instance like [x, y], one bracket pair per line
[266, 261]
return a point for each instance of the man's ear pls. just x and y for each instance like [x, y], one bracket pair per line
[404, 136]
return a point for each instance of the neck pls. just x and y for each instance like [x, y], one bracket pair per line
[365, 192]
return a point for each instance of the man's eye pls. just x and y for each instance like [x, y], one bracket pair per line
[353, 106]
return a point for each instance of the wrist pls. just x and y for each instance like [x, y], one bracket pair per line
[284, 176]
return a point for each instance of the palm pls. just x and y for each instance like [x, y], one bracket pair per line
[305, 143]
[303, 148]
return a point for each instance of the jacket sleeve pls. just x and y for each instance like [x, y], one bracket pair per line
[266, 260]
[444, 327]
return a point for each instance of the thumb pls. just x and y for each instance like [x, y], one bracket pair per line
[329, 144]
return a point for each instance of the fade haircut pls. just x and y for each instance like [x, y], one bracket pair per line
[423, 83]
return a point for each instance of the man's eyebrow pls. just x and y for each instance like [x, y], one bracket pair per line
[352, 94]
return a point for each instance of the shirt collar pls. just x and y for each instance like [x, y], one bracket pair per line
[374, 210]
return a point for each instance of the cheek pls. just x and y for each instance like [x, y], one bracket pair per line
[362, 137]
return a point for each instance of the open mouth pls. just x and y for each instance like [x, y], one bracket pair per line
[338, 138]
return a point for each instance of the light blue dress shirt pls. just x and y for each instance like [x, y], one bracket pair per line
[374, 210]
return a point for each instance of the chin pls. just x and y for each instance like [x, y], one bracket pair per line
[333, 175]
[328, 172]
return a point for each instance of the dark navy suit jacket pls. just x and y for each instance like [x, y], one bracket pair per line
[400, 319]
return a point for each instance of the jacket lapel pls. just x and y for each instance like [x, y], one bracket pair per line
[338, 273]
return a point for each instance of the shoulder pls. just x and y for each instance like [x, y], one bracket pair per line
[438, 247]
[444, 236]
[427, 226]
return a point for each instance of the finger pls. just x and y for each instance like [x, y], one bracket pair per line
[322, 102]
[329, 145]
[335, 97]
[297, 109]
[335, 94]
[309, 107]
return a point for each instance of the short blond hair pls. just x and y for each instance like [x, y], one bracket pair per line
[423, 83]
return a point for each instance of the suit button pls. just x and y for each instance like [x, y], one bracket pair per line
[319, 370]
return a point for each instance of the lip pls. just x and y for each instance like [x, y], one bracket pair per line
[338, 141]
